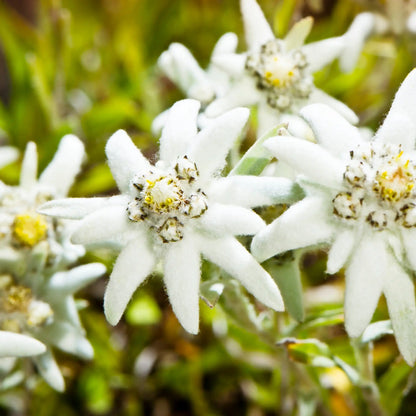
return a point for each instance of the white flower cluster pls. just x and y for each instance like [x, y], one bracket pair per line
[352, 194]
[37, 277]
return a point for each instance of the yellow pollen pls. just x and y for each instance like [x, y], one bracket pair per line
[150, 183]
[268, 74]
[291, 73]
[399, 156]
[17, 299]
[406, 165]
[30, 228]
[276, 82]
[148, 199]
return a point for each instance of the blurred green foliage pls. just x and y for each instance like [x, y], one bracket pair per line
[88, 67]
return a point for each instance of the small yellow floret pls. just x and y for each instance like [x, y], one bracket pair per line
[30, 228]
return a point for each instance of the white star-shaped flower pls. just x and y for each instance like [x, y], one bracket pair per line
[39, 312]
[361, 200]
[23, 230]
[180, 66]
[177, 210]
[276, 74]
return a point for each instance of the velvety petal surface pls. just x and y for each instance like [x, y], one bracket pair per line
[104, 224]
[256, 28]
[323, 52]
[65, 165]
[332, 131]
[182, 275]
[179, 130]
[364, 282]
[303, 224]
[18, 345]
[133, 265]
[309, 159]
[231, 256]
[220, 220]
[125, 159]
[211, 146]
[29, 170]
[253, 191]
[340, 250]
[49, 370]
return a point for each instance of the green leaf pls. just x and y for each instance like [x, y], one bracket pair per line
[393, 385]
[287, 276]
[257, 157]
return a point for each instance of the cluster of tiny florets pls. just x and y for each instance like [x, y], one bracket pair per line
[380, 187]
[166, 199]
[282, 74]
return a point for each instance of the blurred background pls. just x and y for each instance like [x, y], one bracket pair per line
[89, 67]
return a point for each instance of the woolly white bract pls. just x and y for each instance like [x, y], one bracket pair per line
[361, 200]
[37, 308]
[176, 211]
[276, 74]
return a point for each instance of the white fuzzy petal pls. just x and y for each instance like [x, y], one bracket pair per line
[8, 155]
[409, 245]
[323, 52]
[252, 191]
[133, 265]
[321, 97]
[400, 295]
[104, 224]
[227, 43]
[411, 22]
[125, 159]
[180, 128]
[69, 339]
[211, 146]
[76, 278]
[340, 251]
[256, 28]
[309, 159]
[331, 130]
[18, 345]
[231, 256]
[303, 224]
[361, 28]
[242, 93]
[232, 63]
[364, 282]
[182, 276]
[29, 171]
[398, 129]
[77, 208]
[268, 117]
[222, 220]
[49, 370]
[403, 107]
[181, 67]
[65, 165]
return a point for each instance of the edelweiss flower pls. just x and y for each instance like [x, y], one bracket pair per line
[39, 312]
[276, 74]
[25, 234]
[7, 155]
[176, 210]
[183, 70]
[37, 309]
[361, 200]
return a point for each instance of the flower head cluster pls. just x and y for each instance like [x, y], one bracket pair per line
[37, 309]
[361, 201]
[276, 74]
[175, 211]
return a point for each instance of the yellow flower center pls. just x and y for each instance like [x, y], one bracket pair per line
[29, 228]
